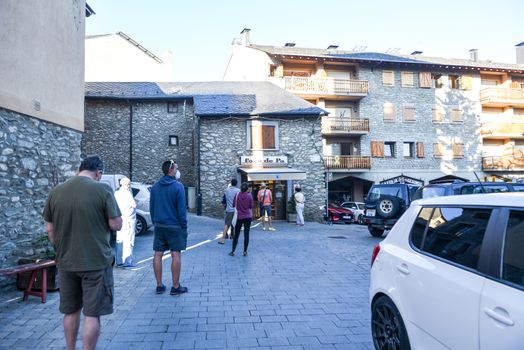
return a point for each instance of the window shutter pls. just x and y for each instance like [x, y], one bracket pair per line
[268, 137]
[438, 149]
[409, 114]
[388, 78]
[256, 137]
[389, 112]
[438, 115]
[457, 150]
[466, 82]
[377, 148]
[456, 115]
[406, 79]
[420, 149]
[424, 80]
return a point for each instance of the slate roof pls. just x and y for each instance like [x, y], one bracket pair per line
[387, 58]
[211, 98]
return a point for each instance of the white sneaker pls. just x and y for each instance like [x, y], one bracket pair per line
[263, 228]
[271, 229]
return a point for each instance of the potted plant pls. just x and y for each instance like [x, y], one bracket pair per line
[291, 210]
[44, 251]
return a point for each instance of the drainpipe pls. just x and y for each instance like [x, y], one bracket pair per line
[197, 139]
[130, 140]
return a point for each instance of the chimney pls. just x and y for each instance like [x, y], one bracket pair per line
[520, 53]
[415, 53]
[332, 47]
[245, 36]
[289, 45]
[474, 55]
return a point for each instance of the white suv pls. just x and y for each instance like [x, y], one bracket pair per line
[450, 275]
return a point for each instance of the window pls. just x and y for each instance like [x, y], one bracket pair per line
[377, 149]
[408, 114]
[389, 149]
[438, 115]
[456, 115]
[424, 79]
[451, 233]
[173, 140]
[438, 149]
[172, 107]
[466, 82]
[388, 78]
[420, 149]
[408, 149]
[453, 81]
[406, 79]
[389, 112]
[262, 134]
[513, 260]
[457, 150]
[437, 80]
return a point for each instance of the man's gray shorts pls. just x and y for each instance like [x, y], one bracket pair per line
[229, 217]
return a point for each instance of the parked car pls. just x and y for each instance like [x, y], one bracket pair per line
[141, 193]
[337, 213]
[450, 275]
[358, 211]
[460, 187]
[385, 203]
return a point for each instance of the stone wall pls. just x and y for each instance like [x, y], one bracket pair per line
[423, 129]
[108, 124]
[34, 157]
[223, 141]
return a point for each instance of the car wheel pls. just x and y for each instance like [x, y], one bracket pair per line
[387, 327]
[141, 225]
[375, 232]
[388, 206]
[360, 219]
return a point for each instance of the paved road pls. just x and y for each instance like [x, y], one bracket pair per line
[299, 288]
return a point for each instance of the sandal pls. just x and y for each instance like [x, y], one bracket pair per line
[160, 289]
[179, 290]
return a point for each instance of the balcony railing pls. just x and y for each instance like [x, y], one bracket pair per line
[502, 129]
[502, 96]
[347, 162]
[345, 125]
[328, 86]
[503, 163]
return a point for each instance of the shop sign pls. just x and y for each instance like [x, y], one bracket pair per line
[403, 179]
[249, 161]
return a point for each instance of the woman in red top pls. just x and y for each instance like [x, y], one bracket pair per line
[243, 203]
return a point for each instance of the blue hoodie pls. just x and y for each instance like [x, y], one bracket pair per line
[168, 203]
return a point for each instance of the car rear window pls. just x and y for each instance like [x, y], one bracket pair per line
[518, 188]
[376, 192]
[513, 261]
[476, 188]
[429, 192]
[454, 234]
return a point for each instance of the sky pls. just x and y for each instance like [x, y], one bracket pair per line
[199, 32]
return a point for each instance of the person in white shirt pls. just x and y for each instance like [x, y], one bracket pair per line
[299, 201]
[125, 238]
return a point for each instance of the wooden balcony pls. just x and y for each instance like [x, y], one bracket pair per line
[345, 126]
[503, 163]
[502, 97]
[502, 130]
[325, 88]
[347, 163]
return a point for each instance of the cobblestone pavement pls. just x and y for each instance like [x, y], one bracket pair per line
[299, 288]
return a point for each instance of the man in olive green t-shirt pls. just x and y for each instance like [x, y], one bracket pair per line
[79, 215]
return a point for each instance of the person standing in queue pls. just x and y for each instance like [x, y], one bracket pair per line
[265, 197]
[243, 202]
[125, 238]
[79, 215]
[300, 199]
[168, 213]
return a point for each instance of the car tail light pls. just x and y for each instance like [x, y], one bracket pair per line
[376, 250]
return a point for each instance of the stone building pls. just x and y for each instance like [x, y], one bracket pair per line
[215, 131]
[400, 117]
[41, 115]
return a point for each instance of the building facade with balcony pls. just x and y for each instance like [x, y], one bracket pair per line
[390, 115]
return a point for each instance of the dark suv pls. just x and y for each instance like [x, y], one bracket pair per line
[460, 187]
[385, 204]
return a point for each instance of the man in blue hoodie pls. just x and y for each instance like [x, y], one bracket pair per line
[168, 213]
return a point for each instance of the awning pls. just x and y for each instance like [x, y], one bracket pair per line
[261, 174]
